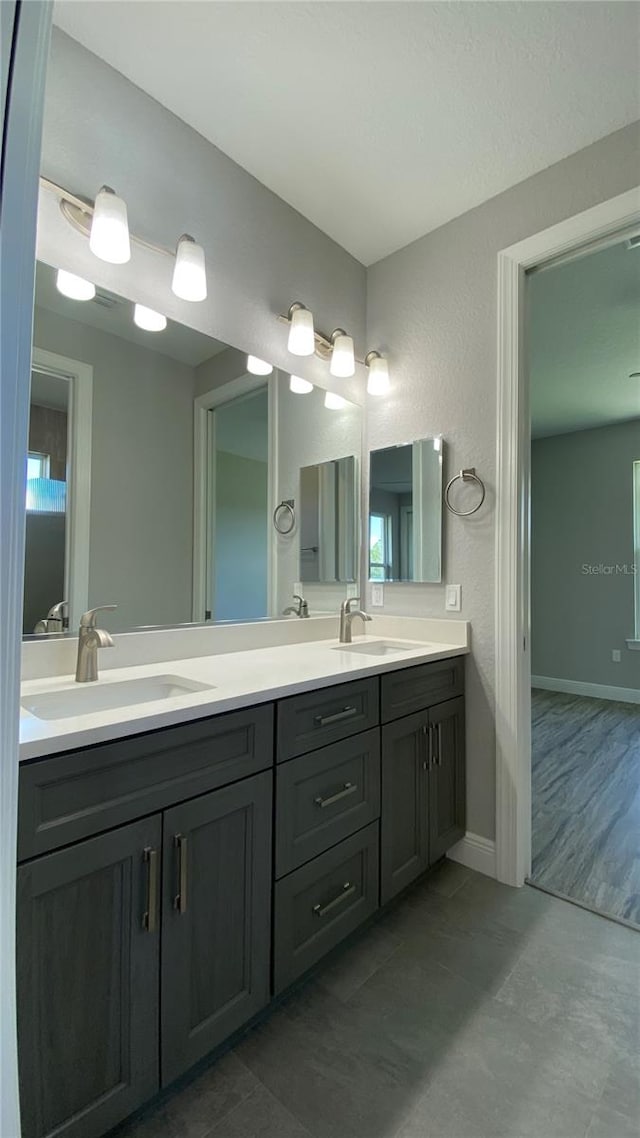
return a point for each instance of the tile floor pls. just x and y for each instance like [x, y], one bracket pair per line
[470, 1010]
[586, 801]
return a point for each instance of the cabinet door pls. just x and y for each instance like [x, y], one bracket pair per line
[446, 777]
[404, 829]
[216, 933]
[88, 961]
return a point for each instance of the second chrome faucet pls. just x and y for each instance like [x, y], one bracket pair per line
[347, 615]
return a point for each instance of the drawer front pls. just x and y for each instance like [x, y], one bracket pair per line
[413, 689]
[320, 904]
[324, 797]
[308, 722]
[68, 797]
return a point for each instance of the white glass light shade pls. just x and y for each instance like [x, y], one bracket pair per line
[148, 319]
[109, 237]
[258, 367]
[189, 272]
[378, 381]
[302, 340]
[334, 402]
[343, 361]
[299, 385]
[76, 288]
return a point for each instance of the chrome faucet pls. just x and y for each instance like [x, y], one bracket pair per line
[90, 639]
[346, 618]
[301, 609]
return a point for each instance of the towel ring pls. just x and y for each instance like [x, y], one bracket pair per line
[466, 475]
[286, 507]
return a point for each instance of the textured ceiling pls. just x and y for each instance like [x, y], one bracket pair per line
[584, 336]
[378, 121]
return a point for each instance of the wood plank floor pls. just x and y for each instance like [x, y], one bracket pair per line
[586, 801]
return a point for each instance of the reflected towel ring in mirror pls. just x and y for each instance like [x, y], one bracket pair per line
[466, 475]
[284, 516]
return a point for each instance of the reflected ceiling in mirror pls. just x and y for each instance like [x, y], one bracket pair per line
[405, 512]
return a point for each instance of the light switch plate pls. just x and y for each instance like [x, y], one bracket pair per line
[453, 598]
[352, 589]
[377, 596]
[297, 588]
[615, 655]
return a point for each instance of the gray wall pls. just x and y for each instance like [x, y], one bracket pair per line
[261, 253]
[141, 473]
[582, 515]
[240, 540]
[432, 307]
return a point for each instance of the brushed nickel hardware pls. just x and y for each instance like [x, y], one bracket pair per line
[284, 524]
[466, 475]
[347, 616]
[437, 730]
[347, 891]
[347, 789]
[180, 899]
[301, 609]
[90, 638]
[55, 620]
[426, 744]
[150, 915]
[327, 720]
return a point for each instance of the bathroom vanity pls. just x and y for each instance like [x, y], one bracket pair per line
[173, 882]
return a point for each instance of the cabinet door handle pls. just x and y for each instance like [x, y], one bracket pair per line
[326, 720]
[347, 789]
[180, 899]
[150, 915]
[437, 731]
[426, 746]
[347, 891]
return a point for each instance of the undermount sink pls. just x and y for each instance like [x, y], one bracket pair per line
[378, 648]
[87, 698]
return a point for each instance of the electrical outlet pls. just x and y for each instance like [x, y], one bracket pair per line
[453, 598]
[377, 596]
[615, 655]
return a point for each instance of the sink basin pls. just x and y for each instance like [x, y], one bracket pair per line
[87, 698]
[377, 648]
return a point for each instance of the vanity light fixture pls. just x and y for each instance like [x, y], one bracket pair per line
[189, 273]
[302, 339]
[148, 319]
[109, 236]
[76, 288]
[343, 360]
[378, 379]
[299, 385]
[258, 367]
[334, 402]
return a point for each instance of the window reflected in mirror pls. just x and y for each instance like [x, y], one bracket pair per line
[405, 512]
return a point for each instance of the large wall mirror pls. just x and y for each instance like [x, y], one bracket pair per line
[155, 464]
[405, 512]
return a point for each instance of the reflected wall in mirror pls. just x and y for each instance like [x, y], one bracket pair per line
[126, 504]
[328, 529]
[405, 512]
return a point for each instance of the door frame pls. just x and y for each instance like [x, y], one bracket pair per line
[512, 602]
[79, 376]
[203, 472]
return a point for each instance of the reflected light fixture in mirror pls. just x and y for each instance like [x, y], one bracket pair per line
[343, 361]
[109, 236]
[334, 402]
[378, 378]
[258, 367]
[189, 274]
[148, 319]
[300, 386]
[76, 288]
[302, 340]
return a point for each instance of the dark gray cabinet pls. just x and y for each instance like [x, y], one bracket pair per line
[216, 919]
[88, 959]
[423, 793]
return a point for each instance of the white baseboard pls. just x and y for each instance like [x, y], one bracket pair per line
[593, 691]
[475, 852]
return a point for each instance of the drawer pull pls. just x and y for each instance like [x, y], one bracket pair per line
[150, 915]
[180, 899]
[326, 720]
[348, 788]
[347, 891]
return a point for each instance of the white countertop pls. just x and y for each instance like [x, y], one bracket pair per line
[238, 679]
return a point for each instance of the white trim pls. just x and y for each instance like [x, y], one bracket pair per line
[636, 547]
[80, 433]
[591, 691]
[475, 852]
[513, 727]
